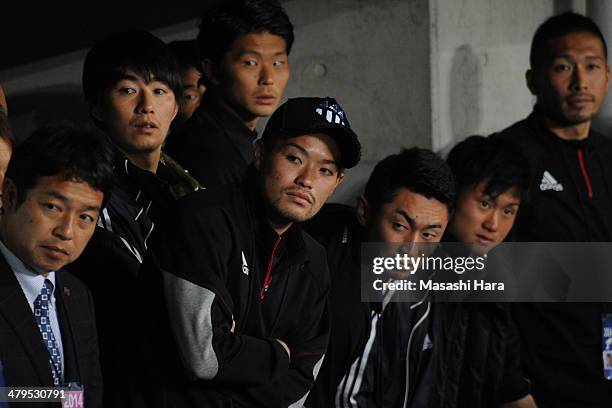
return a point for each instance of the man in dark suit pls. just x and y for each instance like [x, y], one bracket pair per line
[54, 188]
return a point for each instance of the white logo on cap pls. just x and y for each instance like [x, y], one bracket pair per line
[332, 114]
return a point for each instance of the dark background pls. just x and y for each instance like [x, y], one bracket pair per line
[31, 31]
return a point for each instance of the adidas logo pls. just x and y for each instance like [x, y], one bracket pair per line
[550, 183]
[245, 267]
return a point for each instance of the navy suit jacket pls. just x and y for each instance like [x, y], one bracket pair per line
[25, 358]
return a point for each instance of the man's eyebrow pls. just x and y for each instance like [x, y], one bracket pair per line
[495, 200]
[297, 146]
[407, 216]
[245, 52]
[259, 54]
[433, 226]
[412, 221]
[512, 204]
[57, 195]
[330, 161]
[129, 77]
[595, 57]
[569, 56]
[305, 152]
[137, 78]
[91, 208]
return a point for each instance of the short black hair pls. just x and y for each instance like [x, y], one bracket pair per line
[77, 154]
[419, 170]
[186, 53]
[138, 50]
[502, 163]
[227, 21]
[559, 26]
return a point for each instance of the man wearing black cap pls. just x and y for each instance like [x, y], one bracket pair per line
[245, 289]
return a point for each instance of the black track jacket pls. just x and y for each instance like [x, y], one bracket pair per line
[214, 254]
[571, 201]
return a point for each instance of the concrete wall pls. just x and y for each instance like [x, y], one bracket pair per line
[601, 12]
[481, 53]
[372, 56]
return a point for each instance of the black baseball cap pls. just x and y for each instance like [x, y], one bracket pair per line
[302, 116]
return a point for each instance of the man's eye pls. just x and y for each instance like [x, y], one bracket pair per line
[127, 91]
[428, 235]
[327, 172]
[278, 63]
[293, 159]
[509, 211]
[87, 218]
[561, 67]
[249, 63]
[399, 227]
[51, 207]
[485, 204]
[160, 91]
[593, 67]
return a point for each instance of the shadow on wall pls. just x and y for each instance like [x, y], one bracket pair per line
[465, 94]
[354, 183]
[563, 5]
[29, 111]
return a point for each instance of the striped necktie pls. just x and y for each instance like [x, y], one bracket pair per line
[41, 313]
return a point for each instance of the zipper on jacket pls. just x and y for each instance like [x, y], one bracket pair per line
[268, 278]
[417, 324]
[585, 175]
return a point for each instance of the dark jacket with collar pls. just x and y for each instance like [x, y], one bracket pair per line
[110, 265]
[138, 199]
[24, 357]
[214, 145]
[561, 342]
[212, 258]
[336, 228]
[560, 209]
[465, 367]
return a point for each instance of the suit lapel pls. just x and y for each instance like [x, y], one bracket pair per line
[66, 308]
[15, 310]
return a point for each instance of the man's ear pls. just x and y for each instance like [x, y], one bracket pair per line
[9, 195]
[362, 211]
[177, 108]
[340, 178]
[259, 154]
[531, 81]
[209, 71]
